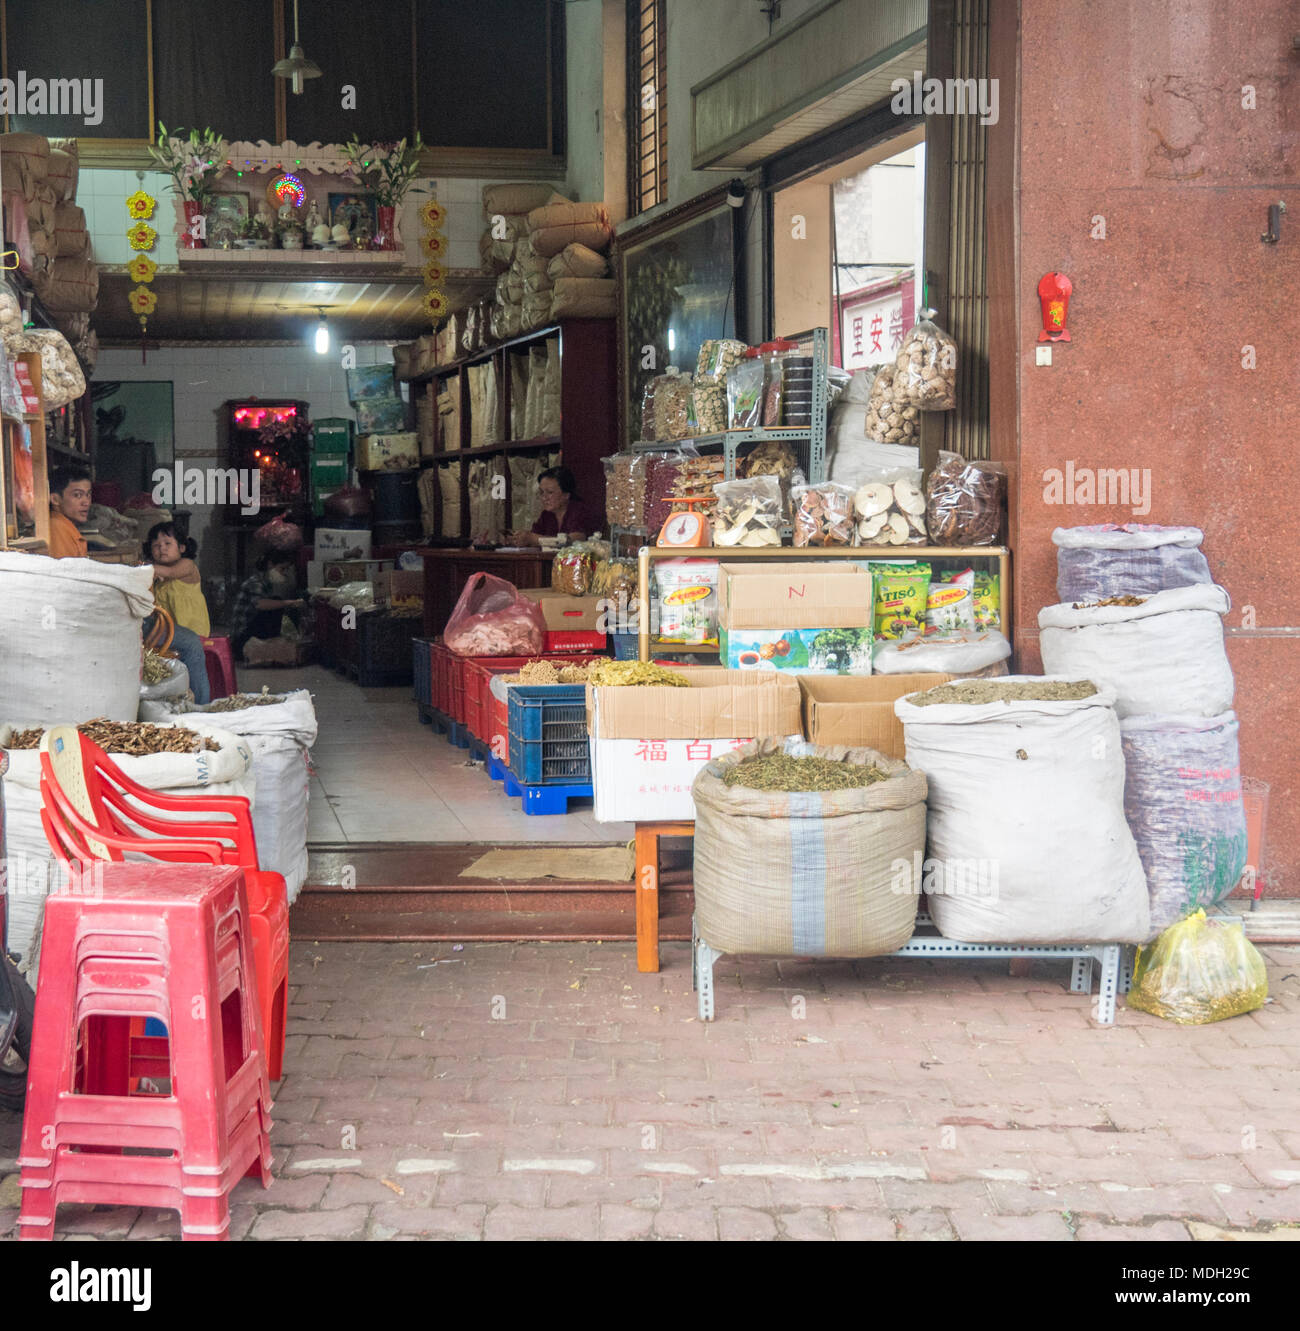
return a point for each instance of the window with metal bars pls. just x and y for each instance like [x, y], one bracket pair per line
[647, 103]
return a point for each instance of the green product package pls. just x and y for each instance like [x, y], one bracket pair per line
[900, 595]
[988, 599]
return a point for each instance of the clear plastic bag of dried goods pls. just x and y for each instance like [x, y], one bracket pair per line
[571, 570]
[926, 367]
[963, 504]
[889, 419]
[1199, 970]
[748, 512]
[672, 406]
[823, 514]
[890, 507]
[492, 619]
[745, 384]
[716, 358]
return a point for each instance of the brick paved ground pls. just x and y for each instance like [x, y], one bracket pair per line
[550, 1091]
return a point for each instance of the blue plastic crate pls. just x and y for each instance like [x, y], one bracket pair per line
[548, 734]
[423, 673]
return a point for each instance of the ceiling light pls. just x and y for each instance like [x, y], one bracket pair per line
[322, 336]
[295, 66]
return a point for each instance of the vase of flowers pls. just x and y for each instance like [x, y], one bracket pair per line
[194, 165]
[254, 234]
[388, 170]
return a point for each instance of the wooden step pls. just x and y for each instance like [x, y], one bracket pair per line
[415, 893]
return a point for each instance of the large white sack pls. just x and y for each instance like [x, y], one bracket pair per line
[70, 638]
[279, 735]
[1136, 559]
[1026, 820]
[1163, 657]
[31, 862]
[1182, 799]
[175, 685]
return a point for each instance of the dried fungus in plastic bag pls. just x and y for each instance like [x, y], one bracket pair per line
[823, 514]
[964, 501]
[1198, 971]
[926, 367]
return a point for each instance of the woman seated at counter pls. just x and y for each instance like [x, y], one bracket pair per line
[563, 513]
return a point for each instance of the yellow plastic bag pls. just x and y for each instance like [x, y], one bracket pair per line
[1199, 971]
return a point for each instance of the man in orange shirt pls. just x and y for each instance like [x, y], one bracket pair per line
[69, 510]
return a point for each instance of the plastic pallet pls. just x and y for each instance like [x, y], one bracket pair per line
[457, 734]
[540, 800]
[497, 769]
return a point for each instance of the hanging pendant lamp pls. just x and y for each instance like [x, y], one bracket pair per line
[295, 66]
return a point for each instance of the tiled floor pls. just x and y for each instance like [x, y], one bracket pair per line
[382, 776]
[549, 1090]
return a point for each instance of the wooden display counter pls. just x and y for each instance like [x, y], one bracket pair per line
[446, 571]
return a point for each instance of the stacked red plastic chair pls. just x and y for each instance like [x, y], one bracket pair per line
[220, 662]
[91, 810]
[124, 943]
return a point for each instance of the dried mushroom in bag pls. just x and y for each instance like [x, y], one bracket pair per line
[891, 509]
[823, 514]
[926, 367]
[748, 512]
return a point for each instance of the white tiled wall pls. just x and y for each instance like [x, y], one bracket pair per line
[205, 377]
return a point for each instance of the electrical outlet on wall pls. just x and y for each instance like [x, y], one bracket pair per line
[1042, 355]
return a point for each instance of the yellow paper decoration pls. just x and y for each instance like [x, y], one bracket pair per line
[434, 273]
[141, 269]
[433, 214]
[435, 304]
[141, 204]
[434, 244]
[142, 236]
[142, 301]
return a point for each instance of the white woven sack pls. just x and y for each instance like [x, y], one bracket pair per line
[1136, 559]
[279, 735]
[1027, 834]
[70, 635]
[32, 866]
[1164, 656]
[175, 686]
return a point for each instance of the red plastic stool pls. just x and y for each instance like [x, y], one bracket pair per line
[220, 661]
[132, 941]
[83, 792]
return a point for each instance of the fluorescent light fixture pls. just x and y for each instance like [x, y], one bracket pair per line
[322, 337]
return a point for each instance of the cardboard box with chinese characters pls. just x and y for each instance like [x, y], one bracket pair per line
[858, 710]
[573, 623]
[649, 742]
[387, 452]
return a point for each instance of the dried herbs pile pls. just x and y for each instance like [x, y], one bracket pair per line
[155, 668]
[134, 738]
[236, 702]
[616, 673]
[546, 672]
[779, 771]
[993, 690]
[1110, 600]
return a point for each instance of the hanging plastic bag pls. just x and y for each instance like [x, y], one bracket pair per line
[492, 619]
[1199, 971]
[280, 534]
[926, 367]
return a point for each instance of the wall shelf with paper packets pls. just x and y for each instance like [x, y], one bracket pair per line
[511, 410]
[784, 553]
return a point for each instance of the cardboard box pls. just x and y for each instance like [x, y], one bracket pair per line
[858, 710]
[381, 415]
[647, 744]
[388, 452]
[400, 588]
[574, 614]
[797, 651]
[795, 595]
[337, 572]
[333, 543]
[370, 381]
